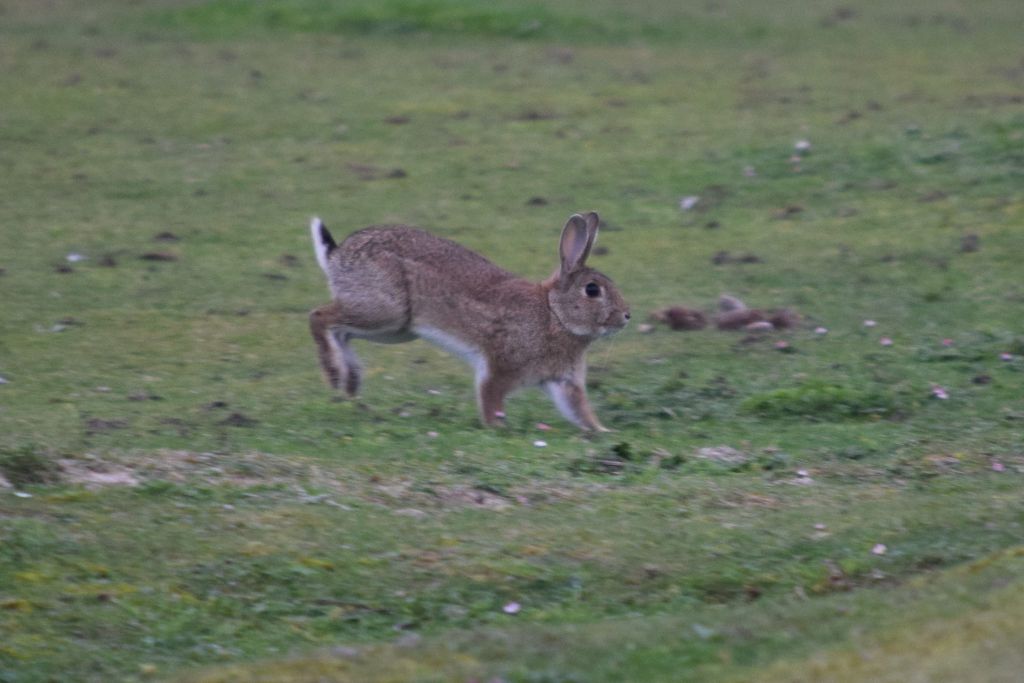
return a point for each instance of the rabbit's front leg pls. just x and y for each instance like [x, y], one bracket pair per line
[490, 394]
[570, 397]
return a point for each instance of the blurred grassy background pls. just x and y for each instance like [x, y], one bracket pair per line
[180, 147]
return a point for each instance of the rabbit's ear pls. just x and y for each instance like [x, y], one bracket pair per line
[577, 238]
[593, 220]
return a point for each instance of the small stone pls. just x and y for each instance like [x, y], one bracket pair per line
[885, 341]
[802, 146]
[820, 330]
[879, 549]
[511, 608]
[869, 323]
[687, 203]
[803, 478]
[540, 444]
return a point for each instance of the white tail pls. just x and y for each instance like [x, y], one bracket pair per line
[323, 242]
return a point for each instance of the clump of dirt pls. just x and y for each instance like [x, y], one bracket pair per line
[165, 256]
[732, 314]
[680, 318]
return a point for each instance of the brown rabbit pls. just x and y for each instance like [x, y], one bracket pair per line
[396, 283]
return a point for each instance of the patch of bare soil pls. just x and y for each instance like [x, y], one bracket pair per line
[96, 474]
[131, 469]
[415, 500]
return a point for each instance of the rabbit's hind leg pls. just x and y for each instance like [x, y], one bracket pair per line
[337, 360]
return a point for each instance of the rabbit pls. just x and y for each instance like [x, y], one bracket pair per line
[393, 284]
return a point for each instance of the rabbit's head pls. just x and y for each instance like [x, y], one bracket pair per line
[585, 302]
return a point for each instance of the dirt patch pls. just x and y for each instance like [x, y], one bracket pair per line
[96, 474]
[724, 455]
[179, 467]
[468, 496]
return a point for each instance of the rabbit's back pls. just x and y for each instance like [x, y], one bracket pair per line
[432, 281]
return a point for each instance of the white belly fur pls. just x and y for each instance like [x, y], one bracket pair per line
[455, 346]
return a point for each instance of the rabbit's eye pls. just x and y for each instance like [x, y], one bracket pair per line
[593, 290]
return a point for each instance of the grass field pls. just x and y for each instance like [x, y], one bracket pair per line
[183, 500]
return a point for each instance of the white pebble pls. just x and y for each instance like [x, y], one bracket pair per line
[687, 203]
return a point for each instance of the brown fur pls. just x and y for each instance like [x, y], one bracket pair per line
[394, 284]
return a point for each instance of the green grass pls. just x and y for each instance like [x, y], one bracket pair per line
[199, 503]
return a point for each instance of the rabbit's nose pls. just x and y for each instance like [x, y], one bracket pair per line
[626, 315]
